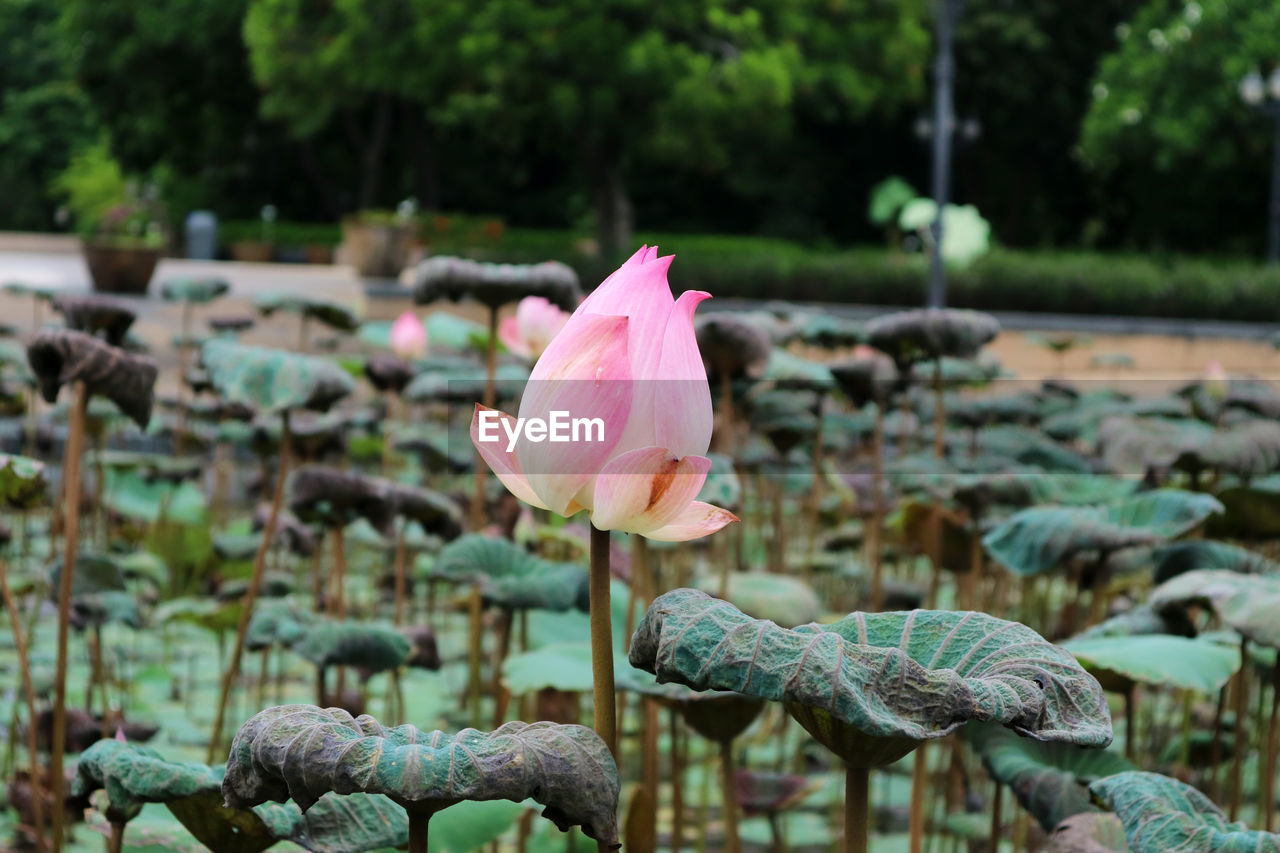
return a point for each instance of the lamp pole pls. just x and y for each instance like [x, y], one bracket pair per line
[1264, 96]
[944, 120]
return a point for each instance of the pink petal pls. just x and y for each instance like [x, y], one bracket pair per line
[509, 334]
[682, 399]
[505, 465]
[646, 489]
[584, 373]
[639, 291]
[699, 520]
[408, 336]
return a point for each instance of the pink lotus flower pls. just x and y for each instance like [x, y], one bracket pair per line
[536, 322]
[408, 336]
[1216, 381]
[627, 357]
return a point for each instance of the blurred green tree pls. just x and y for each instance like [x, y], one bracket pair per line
[1183, 162]
[44, 116]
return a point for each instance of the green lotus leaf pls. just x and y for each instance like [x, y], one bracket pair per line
[900, 678]
[866, 379]
[1020, 407]
[494, 285]
[133, 775]
[1248, 449]
[829, 331]
[785, 369]
[1179, 557]
[335, 315]
[367, 646]
[510, 576]
[102, 608]
[1029, 447]
[1043, 538]
[956, 373]
[1142, 619]
[211, 615]
[722, 487]
[1156, 659]
[303, 752]
[1250, 512]
[464, 383]
[195, 290]
[273, 380]
[355, 823]
[61, 357]
[561, 666]
[1247, 604]
[928, 334]
[966, 235]
[733, 343]
[1089, 832]
[94, 573]
[1050, 780]
[276, 624]
[785, 600]
[22, 484]
[1163, 815]
[135, 495]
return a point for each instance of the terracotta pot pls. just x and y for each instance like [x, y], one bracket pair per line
[253, 251]
[318, 253]
[120, 269]
[377, 249]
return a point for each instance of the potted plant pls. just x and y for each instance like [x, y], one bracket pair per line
[263, 249]
[119, 219]
[379, 243]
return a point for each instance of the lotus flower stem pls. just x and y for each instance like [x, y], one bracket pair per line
[71, 495]
[339, 600]
[1242, 704]
[919, 784]
[649, 759]
[1131, 721]
[728, 801]
[604, 707]
[474, 651]
[490, 399]
[501, 697]
[29, 692]
[677, 782]
[727, 422]
[1273, 753]
[251, 594]
[397, 617]
[1215, 749]
[877, 510]
[857, 796]
[997, 821]
[115, 843]
[418, 832]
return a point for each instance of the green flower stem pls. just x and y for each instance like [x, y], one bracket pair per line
[604, 707]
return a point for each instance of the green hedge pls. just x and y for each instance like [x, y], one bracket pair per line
[1004, 280]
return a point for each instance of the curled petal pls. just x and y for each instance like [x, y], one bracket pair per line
[584, 374]
[682, 400]
[700, 519]
[503, 463]
[646, 489]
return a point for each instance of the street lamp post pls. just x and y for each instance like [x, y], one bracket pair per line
[1264, 96]
[944, 121]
